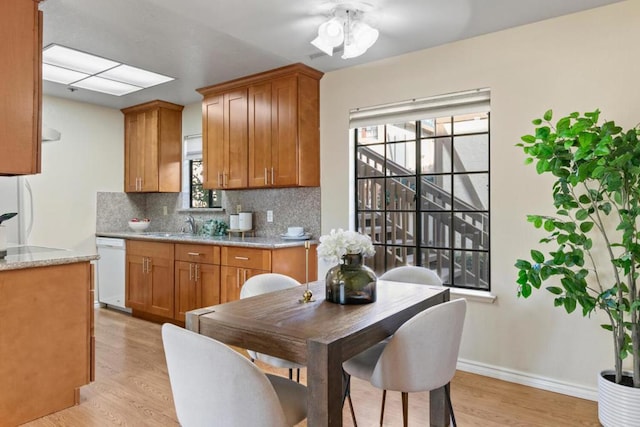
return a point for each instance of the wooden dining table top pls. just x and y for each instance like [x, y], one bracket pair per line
[277, 323]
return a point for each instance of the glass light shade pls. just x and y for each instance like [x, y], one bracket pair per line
[330, 35]
[360, 38]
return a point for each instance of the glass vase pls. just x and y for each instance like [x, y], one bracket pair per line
[351, 282]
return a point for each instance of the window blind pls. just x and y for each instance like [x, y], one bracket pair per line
[192, 147]
[472, 101]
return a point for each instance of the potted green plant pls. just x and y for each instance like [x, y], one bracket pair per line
[596, 195]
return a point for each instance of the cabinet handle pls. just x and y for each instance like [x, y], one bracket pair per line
[238, 279]
[242, 258]
[245, 276]
[193, 253]
[149, 265]
[272, 181]
[218, 179]
[190, 272]
[197, 272]
[266, 179]
[224, 180]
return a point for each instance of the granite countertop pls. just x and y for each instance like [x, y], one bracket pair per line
[236, 240]
[19, 257]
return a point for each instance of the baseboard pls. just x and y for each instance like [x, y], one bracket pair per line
[523, 378]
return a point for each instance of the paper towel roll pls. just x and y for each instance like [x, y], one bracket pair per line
[246, 221]
[234, 222]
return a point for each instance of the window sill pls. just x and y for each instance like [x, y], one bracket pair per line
[200, 210]
[472, 295]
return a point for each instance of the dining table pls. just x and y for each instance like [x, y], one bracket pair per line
[320, 335]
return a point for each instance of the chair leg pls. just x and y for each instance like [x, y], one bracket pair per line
[347, 394]
[405, 409]
[298, 375]
[384, 398]
[291, 374]
[453, 417]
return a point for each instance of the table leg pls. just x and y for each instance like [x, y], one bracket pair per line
[324, 380]
[438, 408]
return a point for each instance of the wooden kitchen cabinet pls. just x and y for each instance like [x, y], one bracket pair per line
[21, 90]
[149, 278]
[197, 278]
[224, 133]
[153, 147]
[240, 263]
[274, 126]
[47, 344]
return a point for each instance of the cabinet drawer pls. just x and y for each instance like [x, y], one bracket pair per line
[206, 254]
[259, 259]
[150, 249]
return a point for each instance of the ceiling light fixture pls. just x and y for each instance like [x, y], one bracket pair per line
[77, 69]
[345, 26]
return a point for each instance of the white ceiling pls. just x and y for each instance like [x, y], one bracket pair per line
[204, 42]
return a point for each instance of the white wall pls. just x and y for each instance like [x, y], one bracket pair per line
[89, 157]
[574, 63]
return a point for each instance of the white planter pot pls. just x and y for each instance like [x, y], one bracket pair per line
[618, 405]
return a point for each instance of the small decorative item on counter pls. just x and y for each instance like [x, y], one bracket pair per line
[139, 225]
[3, 232]
[234, 221]
[214, 227]
[350, 282]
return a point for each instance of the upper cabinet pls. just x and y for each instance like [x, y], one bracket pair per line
[263, 130]
[153, 147]
[21, 87]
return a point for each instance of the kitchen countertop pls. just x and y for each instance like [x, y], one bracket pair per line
[19, 257]
[176, 237]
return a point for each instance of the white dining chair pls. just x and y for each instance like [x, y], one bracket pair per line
[412, 274]
[260, 284]
[214, 385]
[420, 356]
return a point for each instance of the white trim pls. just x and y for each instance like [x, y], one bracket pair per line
[473, 295]
[527, 379]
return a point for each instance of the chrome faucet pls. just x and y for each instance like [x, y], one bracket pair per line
[191, 225]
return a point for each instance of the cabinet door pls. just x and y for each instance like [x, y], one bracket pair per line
[260, 167]
[149, 142]
[284, 140]
[136, 282]
[186, 294]
[209, 284]
[161, 293]
[213, 141]
[21, 89]
[232, 279]
[133, 135]
[235, 139]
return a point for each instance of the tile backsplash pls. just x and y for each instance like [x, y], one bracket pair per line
[290, 206]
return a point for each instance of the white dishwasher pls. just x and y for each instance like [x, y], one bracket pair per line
[111, 272]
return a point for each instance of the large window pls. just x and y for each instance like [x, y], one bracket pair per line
[422, 186]
[199, 197]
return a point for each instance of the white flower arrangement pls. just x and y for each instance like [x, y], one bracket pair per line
[335, 245]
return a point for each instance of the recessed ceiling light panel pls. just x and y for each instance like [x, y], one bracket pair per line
[82, 70]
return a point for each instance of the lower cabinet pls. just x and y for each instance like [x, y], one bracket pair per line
[47, 345]
[197, 278]
[165, 280]
[149, 272]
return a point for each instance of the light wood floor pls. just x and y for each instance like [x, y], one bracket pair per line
[132, 389]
